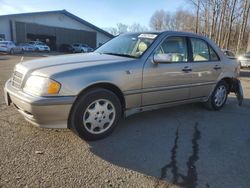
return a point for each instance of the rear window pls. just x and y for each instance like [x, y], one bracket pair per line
[202, 51]
[213, 55]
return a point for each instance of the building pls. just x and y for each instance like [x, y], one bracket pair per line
[53, 27]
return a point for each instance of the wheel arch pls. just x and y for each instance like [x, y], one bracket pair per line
[104, 85]
[229, 81]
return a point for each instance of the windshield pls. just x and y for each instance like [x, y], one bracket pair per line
[131, 45]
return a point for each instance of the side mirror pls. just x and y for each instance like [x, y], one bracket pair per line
[162, 58]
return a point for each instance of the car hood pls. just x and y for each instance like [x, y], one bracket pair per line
[66, 62]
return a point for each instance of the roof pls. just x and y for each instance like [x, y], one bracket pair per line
[65, 12]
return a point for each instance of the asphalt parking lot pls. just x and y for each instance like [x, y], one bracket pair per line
[185, 146]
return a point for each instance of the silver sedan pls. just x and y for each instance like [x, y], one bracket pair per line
[132, 73]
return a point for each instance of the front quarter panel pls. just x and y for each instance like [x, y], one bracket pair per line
[127, 76]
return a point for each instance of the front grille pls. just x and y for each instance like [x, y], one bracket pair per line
[17, 79]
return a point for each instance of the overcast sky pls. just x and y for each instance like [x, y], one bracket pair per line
[102, 13]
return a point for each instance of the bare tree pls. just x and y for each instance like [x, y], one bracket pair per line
[221, 23]
[231, 19]
[158, 20]
[248, 44]
[136, 27]
[246, 8]
[112, 30]
[197, 4]
[122, 28]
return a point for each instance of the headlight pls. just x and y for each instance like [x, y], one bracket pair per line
[37, 85]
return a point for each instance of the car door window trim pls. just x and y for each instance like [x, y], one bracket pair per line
[208, 45]
[170, 36]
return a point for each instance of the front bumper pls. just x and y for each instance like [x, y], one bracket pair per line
[46, 112]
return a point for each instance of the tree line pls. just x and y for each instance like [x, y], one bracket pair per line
[224, 21]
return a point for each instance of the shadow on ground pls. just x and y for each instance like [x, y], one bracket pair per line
[180, 145]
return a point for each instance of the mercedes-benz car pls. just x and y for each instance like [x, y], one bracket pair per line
[135, 72]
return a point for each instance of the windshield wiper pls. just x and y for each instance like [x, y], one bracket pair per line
[122, 55]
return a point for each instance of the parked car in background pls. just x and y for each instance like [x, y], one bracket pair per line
[27, 47]
[244, 60]
[40, 46]
[229, 54]
[66, 48]
[9, 47]
[1, 39]
[131, 73]
[81, 48]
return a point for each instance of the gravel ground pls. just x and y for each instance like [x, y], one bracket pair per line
[185, 146]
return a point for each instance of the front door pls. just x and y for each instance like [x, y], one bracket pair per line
[167, 81]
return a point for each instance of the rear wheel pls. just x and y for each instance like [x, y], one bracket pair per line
[95, 114]
[219, 96]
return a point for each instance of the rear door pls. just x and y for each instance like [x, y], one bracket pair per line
[206, 67]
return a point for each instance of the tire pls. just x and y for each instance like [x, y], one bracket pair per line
[95, 114]
[11, 51]
[219, 96]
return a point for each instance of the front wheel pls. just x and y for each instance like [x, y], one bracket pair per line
[95, 114]
[219, 96]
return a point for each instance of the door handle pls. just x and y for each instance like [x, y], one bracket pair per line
[217, 67]
[187, 69]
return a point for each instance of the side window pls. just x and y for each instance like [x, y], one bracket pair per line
[213, 55]
[200, 50]
[174, 48]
